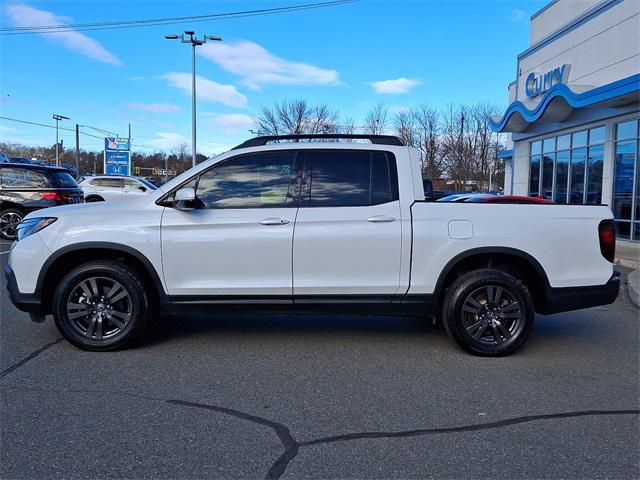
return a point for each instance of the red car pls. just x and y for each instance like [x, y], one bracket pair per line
[508, 199]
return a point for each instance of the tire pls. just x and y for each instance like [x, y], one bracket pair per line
[488, 312]
[93, 198]
[9, 220]
[101, 305]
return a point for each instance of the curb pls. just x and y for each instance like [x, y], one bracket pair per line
[633, 287]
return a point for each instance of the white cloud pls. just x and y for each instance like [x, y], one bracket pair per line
[232, 123]
[257, 66]
[23, 15]
[515, 15]
[7, 129]
[207, 90]
[395, 86]
[168, 140]
[154, 107]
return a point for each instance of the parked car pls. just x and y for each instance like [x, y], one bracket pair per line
[463, 197]
[508, 199]
[4, 158]
[99, 188]
[19, 160]
[307, 227]
[26, 188]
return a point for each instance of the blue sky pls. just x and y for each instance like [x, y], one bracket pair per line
[351, 57]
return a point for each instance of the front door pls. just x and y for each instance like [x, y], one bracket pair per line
[238, 242]
[347, 241]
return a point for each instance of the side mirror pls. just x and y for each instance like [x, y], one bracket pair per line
[141, 188]
[185, 198]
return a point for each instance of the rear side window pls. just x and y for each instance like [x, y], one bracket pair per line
[63, 180]
[107, 182]
[260, 180]
[350, 178]
[23, 178]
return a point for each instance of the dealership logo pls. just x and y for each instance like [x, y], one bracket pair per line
[537, 83]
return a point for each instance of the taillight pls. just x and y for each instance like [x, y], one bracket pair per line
[607, 235]
[59, 197]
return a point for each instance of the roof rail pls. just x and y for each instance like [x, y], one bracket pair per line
[374, 139]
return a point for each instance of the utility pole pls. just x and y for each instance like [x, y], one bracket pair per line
[194, 41]
[57, 118]
[77, 150]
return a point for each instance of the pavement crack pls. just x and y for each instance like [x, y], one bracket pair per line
[466, 428]
[291, 446]
[31, 356]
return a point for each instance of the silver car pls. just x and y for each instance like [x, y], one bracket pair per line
[99, 188]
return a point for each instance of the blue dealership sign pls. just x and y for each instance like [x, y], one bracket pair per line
[117, 157]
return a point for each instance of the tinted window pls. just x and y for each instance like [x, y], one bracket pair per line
[63, 180]
[110, 182]
[130, 184]
[23, 178]
[258, 180]
[351, 178]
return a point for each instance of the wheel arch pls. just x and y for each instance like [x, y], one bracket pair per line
[510, 260]
[63, 260]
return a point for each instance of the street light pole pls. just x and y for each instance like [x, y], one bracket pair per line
[57, 118]
[190, 37]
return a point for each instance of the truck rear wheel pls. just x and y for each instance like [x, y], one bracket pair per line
[488, 312]
[100, 305]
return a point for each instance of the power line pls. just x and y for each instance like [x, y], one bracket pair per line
[50, 126]
[61, 28]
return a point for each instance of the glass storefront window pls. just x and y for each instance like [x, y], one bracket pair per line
[626, 185]
[534, 176]
[578, 163]
[579, 139]
[549, 145]
[570, 166]
[547, 175]
[627, 130]
[564, 142]
[596, 135]
[536, 148]
[595, 162]
[623, 181]
[562, 177]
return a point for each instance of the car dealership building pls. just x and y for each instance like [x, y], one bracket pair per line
[574, 109]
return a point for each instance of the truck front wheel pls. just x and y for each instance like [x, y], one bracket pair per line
[488, 312]
[100, 305]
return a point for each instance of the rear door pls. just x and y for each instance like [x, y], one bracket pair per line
[347, 240]
[108, 188]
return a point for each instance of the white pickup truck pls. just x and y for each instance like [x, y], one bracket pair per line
[309, 226]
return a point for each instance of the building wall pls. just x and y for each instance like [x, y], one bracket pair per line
[602, 50]
[556, 14]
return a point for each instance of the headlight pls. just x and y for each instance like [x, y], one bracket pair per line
[33, 225]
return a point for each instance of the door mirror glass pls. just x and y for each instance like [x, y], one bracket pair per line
[185, 198]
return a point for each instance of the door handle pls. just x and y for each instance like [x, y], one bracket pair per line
[273, 221]
[381, 219]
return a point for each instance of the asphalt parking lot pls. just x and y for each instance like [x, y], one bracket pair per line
[321, 397]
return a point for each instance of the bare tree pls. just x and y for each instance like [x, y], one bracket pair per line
[296, 117]
[405, 128]
[375, 122]
[428, 131]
